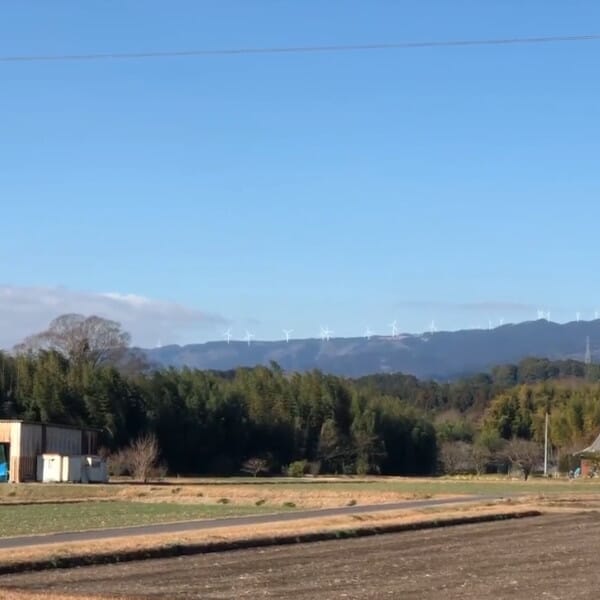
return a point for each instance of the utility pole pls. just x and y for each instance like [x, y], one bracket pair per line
[546, 446]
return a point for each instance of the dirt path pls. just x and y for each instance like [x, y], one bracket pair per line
[552, 557]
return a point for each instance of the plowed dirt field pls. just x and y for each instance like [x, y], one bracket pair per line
[554, 557]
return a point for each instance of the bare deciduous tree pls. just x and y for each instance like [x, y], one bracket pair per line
[457, 457]
[256, 465]
[142, 457]
[523, 453]
[90, 339]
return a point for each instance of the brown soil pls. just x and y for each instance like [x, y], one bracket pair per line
[12, 558]
[552, 557]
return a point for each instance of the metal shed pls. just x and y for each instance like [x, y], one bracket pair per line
[23, 441]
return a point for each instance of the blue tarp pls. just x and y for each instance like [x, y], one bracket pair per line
[3, 465]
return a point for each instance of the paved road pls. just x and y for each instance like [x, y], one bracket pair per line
[200, 525]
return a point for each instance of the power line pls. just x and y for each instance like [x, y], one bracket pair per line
[301, 49]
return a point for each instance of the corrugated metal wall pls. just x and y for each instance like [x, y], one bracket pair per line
[23, 468]
[63, 441]
[29, 447]
[31, 440]
[89, 441]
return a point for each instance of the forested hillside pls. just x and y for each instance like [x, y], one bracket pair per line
[500, 416]
[443, 355]
[473, 394]
[214, 422]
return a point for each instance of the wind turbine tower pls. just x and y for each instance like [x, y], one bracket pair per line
[368, 333]
[227, 335]
[287, 333]
[394, 326]
[248, 337]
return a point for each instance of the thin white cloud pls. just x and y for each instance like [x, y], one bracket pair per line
[27, 310]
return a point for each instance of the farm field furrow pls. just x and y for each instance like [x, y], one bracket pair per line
[551, 557]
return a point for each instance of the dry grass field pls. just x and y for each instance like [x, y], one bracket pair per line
[50, 508]
[304, 493]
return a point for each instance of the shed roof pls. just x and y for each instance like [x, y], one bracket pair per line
[60, 426]
[593, 448]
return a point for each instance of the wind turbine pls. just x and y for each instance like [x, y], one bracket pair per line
[432, 327]
[248, 337]
[578, 316]
[287, 333]
[368, 333]
[501, 321]
[548, 316]
[325, 333]
[596, 315]
[540, 314]
[227, 335]
[394, 326]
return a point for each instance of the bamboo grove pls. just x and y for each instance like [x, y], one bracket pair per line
[211, 423]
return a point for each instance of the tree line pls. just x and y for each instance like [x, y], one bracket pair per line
[81, 372]
[497, 419]
[214, 423]
[473, 394]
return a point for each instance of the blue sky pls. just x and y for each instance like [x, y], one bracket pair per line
[297, 190]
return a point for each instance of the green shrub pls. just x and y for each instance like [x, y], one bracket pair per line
[223, 501]
[260, 502]
[289, 504]
[362, 467]
[298, 468]
[351, 502]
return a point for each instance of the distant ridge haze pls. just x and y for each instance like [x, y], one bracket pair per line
[442, 355]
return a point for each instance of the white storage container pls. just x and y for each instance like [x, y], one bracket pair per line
[71, 469]
[49, 468]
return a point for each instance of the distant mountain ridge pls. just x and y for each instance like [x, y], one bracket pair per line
[442, 355]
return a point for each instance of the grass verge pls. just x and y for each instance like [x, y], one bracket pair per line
[54, 518]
